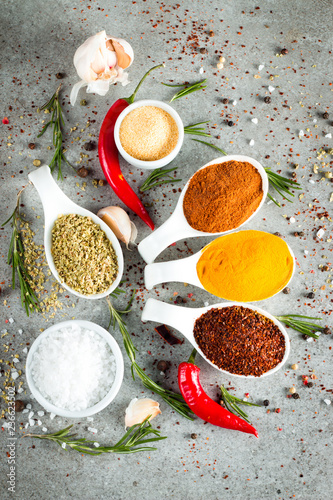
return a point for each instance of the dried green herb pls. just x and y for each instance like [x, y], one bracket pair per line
[194, 129]
[232, 403]
[304, 327]
[188, 89]
[154, 178]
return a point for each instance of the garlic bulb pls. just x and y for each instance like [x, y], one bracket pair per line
[139, 409]
[99, 62]
[117, 220]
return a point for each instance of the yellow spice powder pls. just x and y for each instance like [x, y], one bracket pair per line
[148, 133]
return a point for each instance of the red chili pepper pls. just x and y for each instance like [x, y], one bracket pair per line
[108, 157]
[203, 406]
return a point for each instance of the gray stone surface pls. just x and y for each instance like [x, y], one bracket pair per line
[293, 456]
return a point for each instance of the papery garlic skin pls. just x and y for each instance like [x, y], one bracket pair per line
[118, 220]
[139, 409]
[100, 61]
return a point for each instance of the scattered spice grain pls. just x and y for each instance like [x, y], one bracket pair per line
[83, 172]
[266, 402]
[240, 340]
[83, 255]
[286, 290]
[148, 133]
[296, 395]
[267, 99]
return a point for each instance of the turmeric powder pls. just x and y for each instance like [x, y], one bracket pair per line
[245, 266]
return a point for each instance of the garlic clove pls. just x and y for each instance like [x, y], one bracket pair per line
[100, 62]
[139, 409]
[118, 220]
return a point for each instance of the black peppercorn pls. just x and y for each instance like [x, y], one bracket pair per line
[325, 268]
[102, 182]
[179, 299]
[301, 233]
[286, 290]
[305, 337]
[211, 33]
[310, 384]
[162, 365]
[89, 146]
[19, 405]
[266, 402]
[83, 102]
[294, 175]
[225, 100]
[230, 123]
[296, 395]
[325, 115]
[194, 436]
[203, 50]
[60, 76]
[311, 295]
[82, 172]
[326, 330]
[278, 234]
[284, 51]
[267, 99]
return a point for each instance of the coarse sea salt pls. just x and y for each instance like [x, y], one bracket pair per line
[73, 368]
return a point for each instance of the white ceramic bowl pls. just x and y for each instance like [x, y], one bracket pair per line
[184, 318]
[156, 163]
[114, 389]
[56, 203]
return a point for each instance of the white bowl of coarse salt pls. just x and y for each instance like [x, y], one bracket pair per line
[75, 369]
[149, 134]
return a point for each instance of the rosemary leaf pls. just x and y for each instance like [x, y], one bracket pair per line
[130, 443]
[188, 89]
[304, 327]
[154, 178]
[194, 129]
[173, 399]
[56, 121]
[281, 185]
[231, 403]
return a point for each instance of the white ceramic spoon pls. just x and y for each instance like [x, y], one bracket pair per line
[184, 271]
[56, 203]
[177, 228]
[183, 319]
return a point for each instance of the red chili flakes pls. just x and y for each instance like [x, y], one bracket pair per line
[5, 120]
[240, 340]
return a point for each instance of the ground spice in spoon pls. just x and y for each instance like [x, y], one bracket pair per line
[240, 340]
[221, 197]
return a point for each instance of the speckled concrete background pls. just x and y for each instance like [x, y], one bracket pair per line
[292, 457]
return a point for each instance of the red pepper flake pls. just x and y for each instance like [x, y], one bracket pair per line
[190, 295]
[166, 335]
[5, 120]
[247, 394]
[277, 410]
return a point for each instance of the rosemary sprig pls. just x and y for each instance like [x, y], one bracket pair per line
[173, 399]
[282, 185]
[211, 146]
[304, 327]
[131, 442]
[154, 178]
[231, 403]
[188, 89]
[196, 130]
[16, 258]
[57, 121]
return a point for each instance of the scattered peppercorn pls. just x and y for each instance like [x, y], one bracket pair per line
[294, 175]
[31, 145]
[194, 436]
[225, 100]
[311, 295]
[301, 233]
[284, 52]
[286, 290]
[211, 33]
[36, 163]
[325, 268]
[83, 102]
[82, 172]
[326, 330]
[179, 299]
[19, 405]
[162, 365]
[292, 390]
[102, 182]
[267, 99]
[296, 395]
[203, 50]
[310, 384]
[89, 146]
[278, 234]
[305, 337]
[294, 366]
[266, 402]
[60, 76]
[325, 115]
[230, 123]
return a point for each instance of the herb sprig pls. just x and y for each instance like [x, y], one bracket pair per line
[196, 130]
[131, 442]
[16, 258]
[231, 403]
[176, 401]
[154, 178]
[53, 106]
[282, 185]
[188, 89]
[304, 327]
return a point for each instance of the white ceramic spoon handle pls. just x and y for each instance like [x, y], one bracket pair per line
[172, 230]
[181, 318]
[181, 271]
[50, 193]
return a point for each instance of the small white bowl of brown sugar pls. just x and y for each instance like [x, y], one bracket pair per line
[149, 134]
